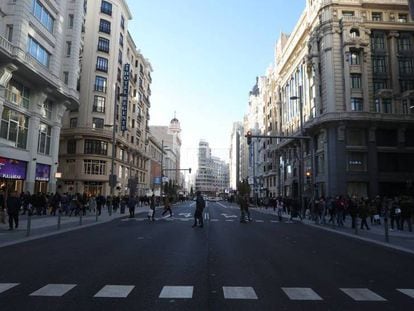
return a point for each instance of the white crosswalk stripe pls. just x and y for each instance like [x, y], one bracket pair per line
[301, 293]
[177, 292]
[53, 290]
[407, 291]
[7, 286]
[362, 294]
[214, 219]
[259, 220]
[230, 220]
[235, 292]
[114, 291]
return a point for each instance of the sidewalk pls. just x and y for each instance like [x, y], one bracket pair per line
[46, 225]
[401, 240]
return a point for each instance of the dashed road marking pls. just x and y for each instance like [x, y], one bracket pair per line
[230, 220]
[177, 292]
[114, 291]
[7, 286]
[301, 293]
[235, 292]
[259, 220]
[53, 290]
[407, 291]
[362, 294]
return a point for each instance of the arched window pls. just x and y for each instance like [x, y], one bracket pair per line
[354, 33]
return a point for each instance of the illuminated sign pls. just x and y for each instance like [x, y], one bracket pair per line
[12, 169]
[42, 172]
[124, 106]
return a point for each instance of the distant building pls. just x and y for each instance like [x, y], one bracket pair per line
[212, 176]
[40, 44]
[236, 138]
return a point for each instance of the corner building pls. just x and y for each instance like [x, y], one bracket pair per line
[107, 104]
[350, 65]
[40, 42]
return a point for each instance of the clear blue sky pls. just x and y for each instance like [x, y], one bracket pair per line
[206, 55]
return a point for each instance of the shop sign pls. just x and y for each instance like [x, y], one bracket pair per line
[12, 169]
[125, 90]
[42, 172]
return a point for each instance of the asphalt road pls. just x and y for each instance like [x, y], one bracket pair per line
[135, 264]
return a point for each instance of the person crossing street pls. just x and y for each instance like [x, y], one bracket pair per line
[198, 215]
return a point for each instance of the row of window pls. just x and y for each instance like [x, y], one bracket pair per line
[383, 105]
[378, 16]
[14, 128]
[43, 15]
[378, 42]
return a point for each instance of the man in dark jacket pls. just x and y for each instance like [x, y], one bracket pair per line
[198, 215]
[13, 205]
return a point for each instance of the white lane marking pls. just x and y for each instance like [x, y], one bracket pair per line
[184, 219]
[114, 291]
[177, 292]
[235, 292]
[230, 220]
[214, 219]
[229, 216]
[407, 291]
[53, 290]
[362, 294]
[259, 220]
[7, 286]
[301, 293]
[186, 215]
[206, 216]
[274, 221]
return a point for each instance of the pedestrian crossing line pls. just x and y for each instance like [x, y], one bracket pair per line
[7, 286]
[236, 292]
[274, 221]
[230, 220]
[114, 291]
[183, 292]
[53, 290]
[259, 220]
[214, 219]
[362, 294]
[407, 291]
[301, 293]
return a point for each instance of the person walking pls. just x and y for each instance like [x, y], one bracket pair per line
[363, 213]
[13, 204]
[167, 206]
[131, 206]
[151, 213]
[198, 215]
[406, 212]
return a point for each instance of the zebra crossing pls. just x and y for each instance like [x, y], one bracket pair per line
[228, 292]
[234, 219]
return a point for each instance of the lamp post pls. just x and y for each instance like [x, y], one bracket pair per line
[300, 190]
[112, 178]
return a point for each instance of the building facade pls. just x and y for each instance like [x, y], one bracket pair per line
[234, 154]
[108, 134]
[40, 44]
[345, 79]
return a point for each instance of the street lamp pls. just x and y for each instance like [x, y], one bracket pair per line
[300, 192]
[112, 177]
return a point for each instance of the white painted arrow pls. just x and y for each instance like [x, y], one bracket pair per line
[185, 214]
[229, 216]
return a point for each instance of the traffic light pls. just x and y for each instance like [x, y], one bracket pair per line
[249, 137]
[189, 170]
[308, 177]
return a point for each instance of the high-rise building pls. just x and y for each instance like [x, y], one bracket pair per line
[108, 134]
[40, 44]
[234, 156]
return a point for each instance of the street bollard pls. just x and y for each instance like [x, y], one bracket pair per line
[29, 224]
[80, 219]
[59, 220]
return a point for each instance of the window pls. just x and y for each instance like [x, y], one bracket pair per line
[357, 161]
[120, 57]
[100, 84]
[348, 13]
[354, 57]
[38, 52]
[378, 41]
[357, 104]
[97, 123]
[386, 137]
[73, 122]
[43, 15]
[386, 105]
[355, 81]
[9, 32]
[122, 22]
[102, 64]
[402, 18]
[406, 85]
[377, 16]
[380, 85]
[106, 7]
[354, 33]
[404, 43]
[71, 18]
[99, 104]
[96, 147]
[68, 48]
[406, 66]
[356, 137]
[46, 110]
[105, 26]
[121, 39]
[14, 127]
[45, 132]
[408, 106]
[66, 77]
[103, 45]
[18, 94]
[71, 146]
[378, 64]
[94, 167]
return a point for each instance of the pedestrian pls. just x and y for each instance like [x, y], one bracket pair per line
[100, 201]
[353, 210]
[363, 213]
[13, 205]
[151, 213]
[200, 205]
[2, 207]
[244, 208]
[406, 212]
[92, 204]
[131, 206]
[167, 206]
[279, 208]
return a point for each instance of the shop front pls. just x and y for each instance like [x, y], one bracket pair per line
[42, 178]
[12, 174]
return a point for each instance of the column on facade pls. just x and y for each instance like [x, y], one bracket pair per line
[394, 61]
[373, 161]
